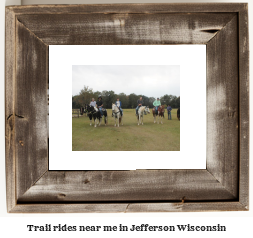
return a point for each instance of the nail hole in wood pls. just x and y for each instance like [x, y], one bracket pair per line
[86, 181]
[61, 195]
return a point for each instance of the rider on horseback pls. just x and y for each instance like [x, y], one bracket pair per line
[93, 103]
[100, 105]
[139, 104]
[118, 104]
[157, 103]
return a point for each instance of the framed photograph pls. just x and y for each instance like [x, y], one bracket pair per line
[38, 100]
[164, 71]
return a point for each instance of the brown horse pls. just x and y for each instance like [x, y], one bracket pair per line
[160, 114]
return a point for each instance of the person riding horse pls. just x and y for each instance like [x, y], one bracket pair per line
[118, 104]
[100, 105]
[93, 103]
[156, 103]
[139, 104]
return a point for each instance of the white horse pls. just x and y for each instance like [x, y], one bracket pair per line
[143, 110]
[116, 115]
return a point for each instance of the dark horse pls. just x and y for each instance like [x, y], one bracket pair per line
[83, 110]
[178, 114]
[159, 113]
[94, 113]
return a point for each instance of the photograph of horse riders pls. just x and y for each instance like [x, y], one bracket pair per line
[126, 107]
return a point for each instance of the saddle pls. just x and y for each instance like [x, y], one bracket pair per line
[115, 113]
[103, 110]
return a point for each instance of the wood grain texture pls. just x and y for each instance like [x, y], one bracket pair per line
[222, 107]
[30, 109]
[9, 108]
[222, 187]
[129, 8]
[186, 207]
[121, 29]
[244, 106]
[129, 207]
[139, 185]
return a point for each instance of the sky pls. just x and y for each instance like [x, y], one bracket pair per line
[149, 80]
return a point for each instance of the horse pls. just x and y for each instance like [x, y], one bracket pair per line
[117, 114]
[90, 111]
[99, 117]
[83, 110]
[94, 113]
[160, 113]
[178, 114]
[141, 111]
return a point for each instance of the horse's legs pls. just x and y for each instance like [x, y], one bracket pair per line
[138, 119]
[161, 119]
[95, 121]
[114, 121]
[105, 120]
[90, 122]
[122, 120]
[118, 119]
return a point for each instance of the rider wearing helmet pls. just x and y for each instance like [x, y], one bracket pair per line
[100, 105]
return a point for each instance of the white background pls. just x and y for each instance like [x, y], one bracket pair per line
[192, 61]
[239, 224]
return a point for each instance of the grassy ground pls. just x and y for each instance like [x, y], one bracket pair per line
[129, 137]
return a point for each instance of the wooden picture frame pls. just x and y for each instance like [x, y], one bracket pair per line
[222, 186]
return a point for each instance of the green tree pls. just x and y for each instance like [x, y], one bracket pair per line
[173, 102]
[177, 102]
[166, 99]
[132, 99]
[124, 99]
[75, 102]
[150, 102]
[109, 97]
[96, 94]
[85, 95]
[145, 100]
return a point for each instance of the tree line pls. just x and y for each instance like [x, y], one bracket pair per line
[128, 101]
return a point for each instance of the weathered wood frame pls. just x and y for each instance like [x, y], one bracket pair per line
[223, 186]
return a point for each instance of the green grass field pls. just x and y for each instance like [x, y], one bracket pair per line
[129, 137]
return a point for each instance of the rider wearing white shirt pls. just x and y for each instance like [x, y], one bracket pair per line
[118, 104]
[93, 103]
